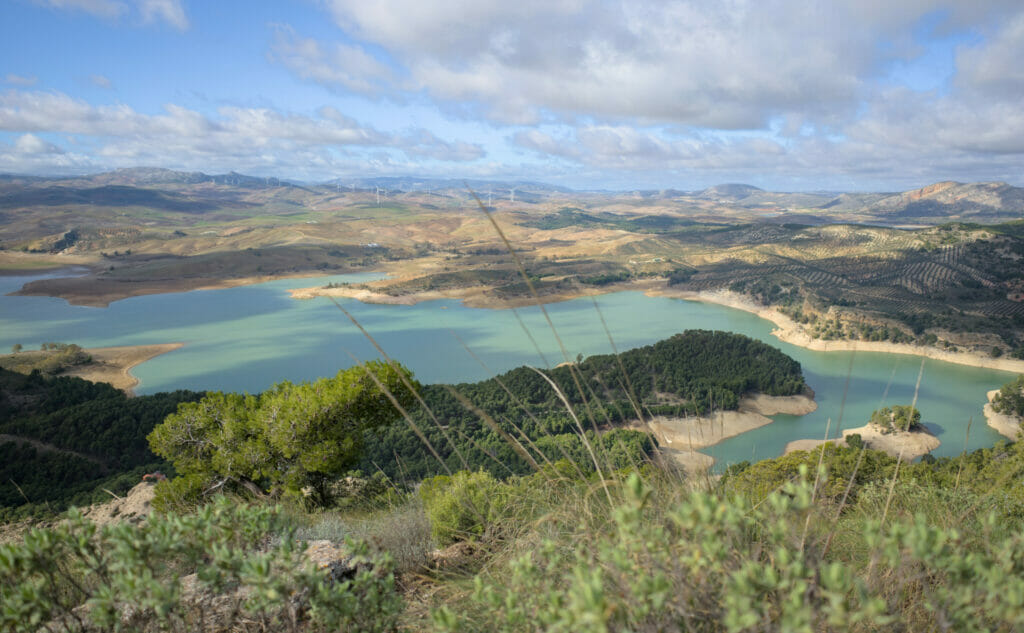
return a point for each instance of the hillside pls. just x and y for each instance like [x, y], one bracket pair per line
[94, 432]
[63, 439]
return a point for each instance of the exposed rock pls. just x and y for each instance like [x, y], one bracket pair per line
[1007, 425]
[908, 444]
[133, 507]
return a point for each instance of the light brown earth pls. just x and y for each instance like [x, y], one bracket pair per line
[114, 364]
[909, 444]
[1007, 425]
[692, 462]
[794, 333]
[807, 445]
[135, 506]
[685, 435]
[472, 297]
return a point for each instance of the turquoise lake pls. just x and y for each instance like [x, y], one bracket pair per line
[247, 338]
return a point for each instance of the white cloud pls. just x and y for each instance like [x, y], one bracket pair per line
[101, 81]
[343, 65]
[995, 67]
[147, 11]
[233, 139]
[32, 144]
[726, 65]
[169, 11]
[19, 80]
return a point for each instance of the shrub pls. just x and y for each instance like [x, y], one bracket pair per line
[1010, 399]
[710, 563]
[249, 574]
[461, 506]
[897, 418]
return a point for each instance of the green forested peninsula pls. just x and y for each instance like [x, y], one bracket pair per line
[687, 374]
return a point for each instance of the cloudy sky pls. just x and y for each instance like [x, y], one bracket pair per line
[607, 94]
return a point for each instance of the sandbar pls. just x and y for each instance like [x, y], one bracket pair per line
[692, 433]
[692, 462]
[114, 364]
[909, 444]
[471, 296]
[1006, 425]
[809, 445]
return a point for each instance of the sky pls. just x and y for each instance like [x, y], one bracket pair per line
[788, 95]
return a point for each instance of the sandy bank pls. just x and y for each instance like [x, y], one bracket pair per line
[472, 296]
[686, 434]
[114, 364]
[790, 331]
[774, 405]
[808, 445]
[691, 433]
[1007, 425]
[691, 461]
[99, 293]
[911, 444]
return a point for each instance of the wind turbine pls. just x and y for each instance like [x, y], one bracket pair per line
[512, 195]
[488, 197]
[378, 196]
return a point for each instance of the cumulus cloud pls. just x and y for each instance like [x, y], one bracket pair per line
[350, 67]
[995, 67]
[728, 65]
[235, 137]
[19, 80]
[147, 11]
[169, 11]
[32, 144]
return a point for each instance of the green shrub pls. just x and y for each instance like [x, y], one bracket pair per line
[897, 418]
[249, 574]
[708, 563]
[462, 506]
[1010, 399]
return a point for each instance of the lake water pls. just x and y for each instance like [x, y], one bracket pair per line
[247, 338]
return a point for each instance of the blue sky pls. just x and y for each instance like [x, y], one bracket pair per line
[610, 94]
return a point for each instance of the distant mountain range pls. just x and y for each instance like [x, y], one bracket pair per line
[198, 192]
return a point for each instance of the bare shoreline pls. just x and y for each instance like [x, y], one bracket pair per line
[789, 331]
[1006, 425]
[692, 433]
[114, 364]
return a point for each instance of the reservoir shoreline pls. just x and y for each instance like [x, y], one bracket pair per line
[787, 330]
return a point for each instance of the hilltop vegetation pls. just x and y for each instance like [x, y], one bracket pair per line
[863, 546]
[688, 374]
[64, 439]
[86, 433]
[559, 526]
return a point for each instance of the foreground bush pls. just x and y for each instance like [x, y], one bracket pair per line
[711, 563]
[226, 567]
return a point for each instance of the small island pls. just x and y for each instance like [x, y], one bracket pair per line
[1004, 410]
[895, 430]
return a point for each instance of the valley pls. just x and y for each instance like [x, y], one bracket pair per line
[936, 268]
